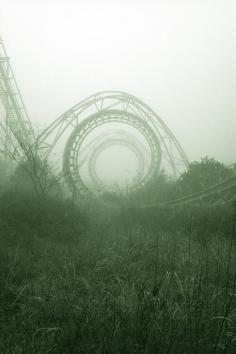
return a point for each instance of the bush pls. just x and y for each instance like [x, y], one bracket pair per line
[200, 175]
[44, 217]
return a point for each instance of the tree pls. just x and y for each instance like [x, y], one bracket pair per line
[159, 189]
[33, 170]
[203, 174]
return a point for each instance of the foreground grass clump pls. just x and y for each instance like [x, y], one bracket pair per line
[24, 215]
[113, 286]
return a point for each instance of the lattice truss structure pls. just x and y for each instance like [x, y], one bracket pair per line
[15, 125]
[133, 124]
[81, 130]
[102, 120]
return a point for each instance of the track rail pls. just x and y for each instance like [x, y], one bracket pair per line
[216, 191]
[16, 121]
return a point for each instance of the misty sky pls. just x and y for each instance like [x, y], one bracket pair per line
[177, 56]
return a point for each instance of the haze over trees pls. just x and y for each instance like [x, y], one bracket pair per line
[109, 277]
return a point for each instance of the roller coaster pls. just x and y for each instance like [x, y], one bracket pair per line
[103, 120]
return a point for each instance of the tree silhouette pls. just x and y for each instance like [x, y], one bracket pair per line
[203, 174]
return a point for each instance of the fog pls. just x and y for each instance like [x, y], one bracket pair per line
[177, 56]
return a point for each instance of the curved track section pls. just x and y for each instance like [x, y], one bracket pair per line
[211, 194]
[99, 109]
[88, 150]
[105, 108]
[72, 149]
[112, 142]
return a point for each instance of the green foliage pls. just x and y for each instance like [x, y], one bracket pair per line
[203, 174]
[27, 215]
[199, 176]
[114, 278]
[33, 171]
[38, 178]
[3, 174]
[159, 189]
[127, 282]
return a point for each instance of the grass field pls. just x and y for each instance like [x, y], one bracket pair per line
[116, 280]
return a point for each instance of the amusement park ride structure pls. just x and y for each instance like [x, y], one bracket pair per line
[157, 148]
[14, 119]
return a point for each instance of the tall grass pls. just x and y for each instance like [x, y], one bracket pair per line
[122, 281]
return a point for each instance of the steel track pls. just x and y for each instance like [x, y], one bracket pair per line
[15, 122]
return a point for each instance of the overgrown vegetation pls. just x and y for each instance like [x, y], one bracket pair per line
[116, 278]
